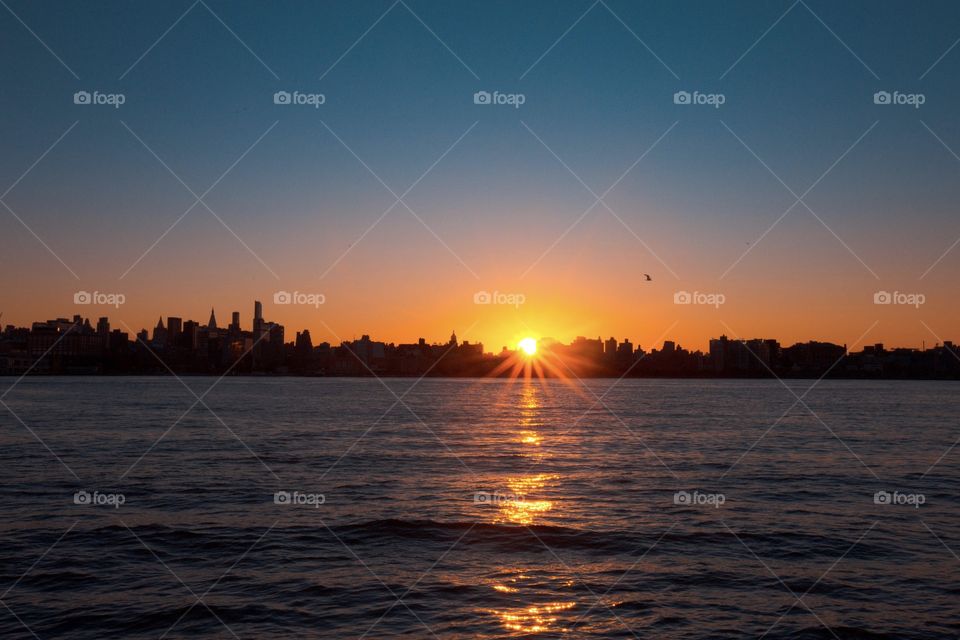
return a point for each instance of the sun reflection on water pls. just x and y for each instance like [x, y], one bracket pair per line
[529, 605]
[535, 618]
[530, 617]
[520, 509]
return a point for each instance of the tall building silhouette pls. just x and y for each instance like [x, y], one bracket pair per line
[257, 318]
[174, 329]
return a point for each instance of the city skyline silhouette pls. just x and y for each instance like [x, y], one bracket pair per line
[76, 346]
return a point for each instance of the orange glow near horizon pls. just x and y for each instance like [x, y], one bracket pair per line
[560, 304]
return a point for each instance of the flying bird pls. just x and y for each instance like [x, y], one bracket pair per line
[647, 277]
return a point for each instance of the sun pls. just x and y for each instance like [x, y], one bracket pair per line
[528, 346]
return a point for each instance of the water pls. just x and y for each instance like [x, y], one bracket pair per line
[479, 509]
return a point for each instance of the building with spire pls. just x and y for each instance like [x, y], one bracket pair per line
[160, 334]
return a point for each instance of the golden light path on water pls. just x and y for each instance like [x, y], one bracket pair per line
[521, 506]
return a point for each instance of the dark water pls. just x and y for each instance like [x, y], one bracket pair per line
[479, 509]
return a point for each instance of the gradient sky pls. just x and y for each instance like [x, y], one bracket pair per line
[800, 98]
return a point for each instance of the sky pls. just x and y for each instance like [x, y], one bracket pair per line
[783, 212]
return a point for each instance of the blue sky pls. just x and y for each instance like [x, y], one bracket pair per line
[800, 97]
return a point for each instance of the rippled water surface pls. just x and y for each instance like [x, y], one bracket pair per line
[464, 508]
